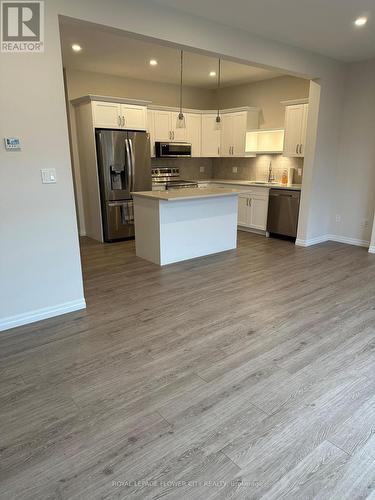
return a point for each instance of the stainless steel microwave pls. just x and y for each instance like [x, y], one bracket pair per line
[172, 149]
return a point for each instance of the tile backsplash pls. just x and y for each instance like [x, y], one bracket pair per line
[250, 169]
[256, 169]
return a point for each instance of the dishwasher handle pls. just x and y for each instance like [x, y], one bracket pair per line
[285, 195]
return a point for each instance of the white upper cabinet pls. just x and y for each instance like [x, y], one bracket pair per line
[201, 131]
[165, 126]
[304, 130]
[162, 125]
[178, 134]
[210, 136]
[227, 134]
[151, 131]
[295, 130]
[134, 117]
[117, 115]
[106, 114]
[234, 129]
[194, 132]
[239, 133]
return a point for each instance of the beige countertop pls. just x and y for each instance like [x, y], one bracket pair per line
[294, 187]
[188, 194]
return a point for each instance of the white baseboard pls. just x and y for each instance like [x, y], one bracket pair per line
[349, 241]
[251, 230]
[334, 237]
[371, 249]
[312, 241]
[39, 314]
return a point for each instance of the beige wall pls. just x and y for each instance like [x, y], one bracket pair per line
[355, 178]
[266, 95]
[81, 83]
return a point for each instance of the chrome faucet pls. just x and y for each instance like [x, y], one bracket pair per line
[271, 177]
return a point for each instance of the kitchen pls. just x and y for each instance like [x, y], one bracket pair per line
[244, 129]
[245, 373]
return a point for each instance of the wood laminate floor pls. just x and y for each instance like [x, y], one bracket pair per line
[246, 375]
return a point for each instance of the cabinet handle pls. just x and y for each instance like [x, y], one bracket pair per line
[250, 201]
[123, 120]
[119, 120]
[229, 149]
[218, 151]
[297, 149]
[300, 149]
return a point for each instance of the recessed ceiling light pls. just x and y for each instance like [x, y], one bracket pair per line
[76, 47]
[153, 62]
[361, 21]
[212, 73]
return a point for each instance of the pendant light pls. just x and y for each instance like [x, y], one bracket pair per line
[181, 123]
[218, 118]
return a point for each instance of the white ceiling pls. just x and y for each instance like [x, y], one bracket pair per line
[322, 26]
[112, 53]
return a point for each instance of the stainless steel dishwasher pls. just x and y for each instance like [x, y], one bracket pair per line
[283, 209]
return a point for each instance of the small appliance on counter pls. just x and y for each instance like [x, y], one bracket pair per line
[166, 178]
[283, 210]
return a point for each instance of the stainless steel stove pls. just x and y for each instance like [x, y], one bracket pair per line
[166, 178]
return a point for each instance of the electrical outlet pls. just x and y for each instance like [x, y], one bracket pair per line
[299, 171]
[234, 170]
[338, 219]
[201, 169]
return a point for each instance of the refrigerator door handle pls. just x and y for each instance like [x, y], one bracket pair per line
[129, 165]
[132, 164]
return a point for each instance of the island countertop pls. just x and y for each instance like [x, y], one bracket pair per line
[188, 194]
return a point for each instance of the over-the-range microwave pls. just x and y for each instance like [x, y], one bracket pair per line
[172, 149]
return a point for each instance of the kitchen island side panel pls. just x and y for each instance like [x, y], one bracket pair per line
[147, 229]
[197, 227]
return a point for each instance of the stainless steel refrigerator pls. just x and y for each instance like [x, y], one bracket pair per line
[124, 165]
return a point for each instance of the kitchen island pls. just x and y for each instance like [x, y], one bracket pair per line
[181, 224]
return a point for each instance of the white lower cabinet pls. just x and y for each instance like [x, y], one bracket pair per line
[259, 211]
[252, 206]
[253, 210]
[243, 218]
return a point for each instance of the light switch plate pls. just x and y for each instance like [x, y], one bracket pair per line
[48, 175]
[12, 143]
[201, 169]
[234, 170]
